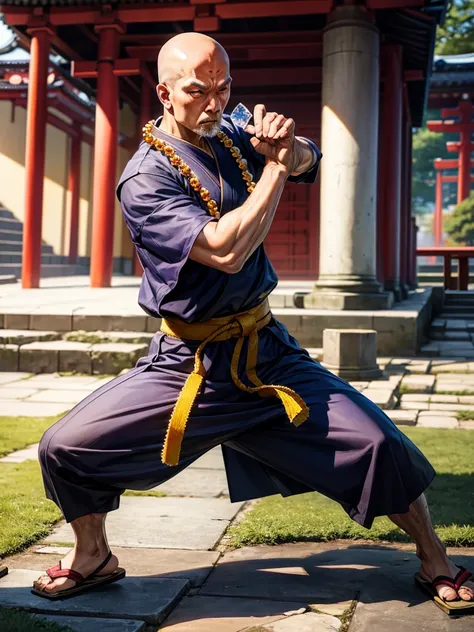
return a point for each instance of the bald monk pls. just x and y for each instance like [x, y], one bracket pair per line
[198, 198]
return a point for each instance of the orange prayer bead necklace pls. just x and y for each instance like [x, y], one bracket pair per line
[187, 172]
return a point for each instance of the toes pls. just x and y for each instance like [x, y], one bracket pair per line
[466, 594]
[448, 594]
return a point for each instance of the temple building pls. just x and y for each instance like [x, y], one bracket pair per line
[356, 79]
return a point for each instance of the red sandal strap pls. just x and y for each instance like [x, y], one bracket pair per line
[68, 573]
[442, 580]
[57, 567]
[461, 577]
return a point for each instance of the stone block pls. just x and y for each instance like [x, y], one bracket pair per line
[91, 624]
[383, 398]
[294, 322]
[451, 407]
[75, 356]
[21, 337]
[32, 409]
[39, 357]
[436, 421]
[103, 322]
[153, 324]
[58, 397]
[418, 383]
[16, 321]
[111, 358]
[418, 367]
[147, 599]
[51, 322]
[403, 417]
[351, 353]
[348, 300]
[430, 350]
[6, 392]
[9, 358]
[308, 622]
[12, 377]
[447, 399]
[452, 365]
[415, 397]
[405, 405]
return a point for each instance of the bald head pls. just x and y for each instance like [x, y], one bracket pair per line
[187, 54]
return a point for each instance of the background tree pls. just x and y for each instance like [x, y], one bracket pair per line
[456, 36]
[460, 226]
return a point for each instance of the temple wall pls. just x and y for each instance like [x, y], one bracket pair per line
[56, 198]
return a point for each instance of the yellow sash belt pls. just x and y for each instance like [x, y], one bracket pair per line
[241, 326]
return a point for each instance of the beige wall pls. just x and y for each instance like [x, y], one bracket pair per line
[56, 199]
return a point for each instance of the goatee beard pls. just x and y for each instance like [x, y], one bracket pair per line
[208, 131]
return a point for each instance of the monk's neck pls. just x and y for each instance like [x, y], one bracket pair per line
[170, 126]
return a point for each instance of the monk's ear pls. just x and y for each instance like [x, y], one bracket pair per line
[163, 93]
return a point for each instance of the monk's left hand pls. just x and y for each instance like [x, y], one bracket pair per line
[273, 135]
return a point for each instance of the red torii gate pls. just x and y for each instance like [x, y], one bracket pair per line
[465, 146]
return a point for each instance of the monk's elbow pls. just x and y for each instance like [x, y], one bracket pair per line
[232, 263]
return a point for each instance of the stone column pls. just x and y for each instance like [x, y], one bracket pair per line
[350, 113]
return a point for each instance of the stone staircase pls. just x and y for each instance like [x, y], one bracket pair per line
[452, 332]
[11, 238]
[84, 352]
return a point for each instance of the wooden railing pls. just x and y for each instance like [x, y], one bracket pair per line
[461, 254]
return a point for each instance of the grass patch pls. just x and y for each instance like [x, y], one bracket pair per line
[13, 620]
[465, 415]
[313, 517]
[146, 492]
[454, 392]
[18, 432]
[26, 515]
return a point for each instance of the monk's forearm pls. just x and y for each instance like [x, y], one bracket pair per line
[242, 230]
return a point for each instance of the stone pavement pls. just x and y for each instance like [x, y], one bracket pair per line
[182, 578]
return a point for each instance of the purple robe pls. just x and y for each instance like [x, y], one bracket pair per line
[348, 449]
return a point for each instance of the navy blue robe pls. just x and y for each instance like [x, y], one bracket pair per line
[348, 449]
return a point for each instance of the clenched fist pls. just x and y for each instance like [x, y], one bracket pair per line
[274, 137]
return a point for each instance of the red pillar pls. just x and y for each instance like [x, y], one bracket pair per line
[392, 143]
[35, 156]
[464, 185]
[146, 114]
[438, 223]
[413, 240]
[105, 157]
[74, 187]
[405, 205]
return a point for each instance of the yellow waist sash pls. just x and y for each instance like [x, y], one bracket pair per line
[241, 326]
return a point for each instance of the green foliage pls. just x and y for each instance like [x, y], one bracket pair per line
[460, 226]
[456, 36]
[427, 146]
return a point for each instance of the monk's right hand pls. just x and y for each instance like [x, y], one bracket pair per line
[273, 135]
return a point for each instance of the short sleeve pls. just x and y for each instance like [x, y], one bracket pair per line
[164, 219]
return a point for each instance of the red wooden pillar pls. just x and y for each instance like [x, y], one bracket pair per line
[105, 157]
[413, 240]
[146, 109]
[35, 155]
[438, 223]
[74, 187]
[392, 144]
[464, 186]
[405, 208]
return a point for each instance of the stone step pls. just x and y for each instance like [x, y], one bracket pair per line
[7, 278]
[47, 270]
[457, 309]
[63, 356]
[17, 246]
[450, 335]
[24, 337]
[10, 223]
[7, 256]
[130, 337]
[6, 213]
[457, 315]
[10, 235]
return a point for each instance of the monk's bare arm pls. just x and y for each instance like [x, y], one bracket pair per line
[227, 244]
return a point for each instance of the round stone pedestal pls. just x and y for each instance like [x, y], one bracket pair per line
[351, 353]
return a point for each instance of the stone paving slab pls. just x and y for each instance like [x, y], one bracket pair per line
[173, 563]
[403, 417]
[57, 396]
[147, 599]
[32, 409]
[211, 460]
[452, 366]
[10, 377]
[308, 622]
[436, 421]
[224, 614]
[196, 483]
[31, 452]
[173, 523]
[16, 393]
[391, 602]
[90, 624]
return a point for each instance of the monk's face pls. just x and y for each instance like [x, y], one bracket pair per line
[200, 93]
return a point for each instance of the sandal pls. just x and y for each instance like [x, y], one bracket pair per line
[3, 571]
[82, 583]
[457, 607]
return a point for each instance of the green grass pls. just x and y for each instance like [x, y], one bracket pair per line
[26, 515]
[312, 517]
[12, 620]
[18, 432]
[465, 415]
[454, 393]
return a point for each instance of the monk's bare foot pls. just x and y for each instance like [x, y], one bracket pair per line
[82, 561]
[430, 570]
